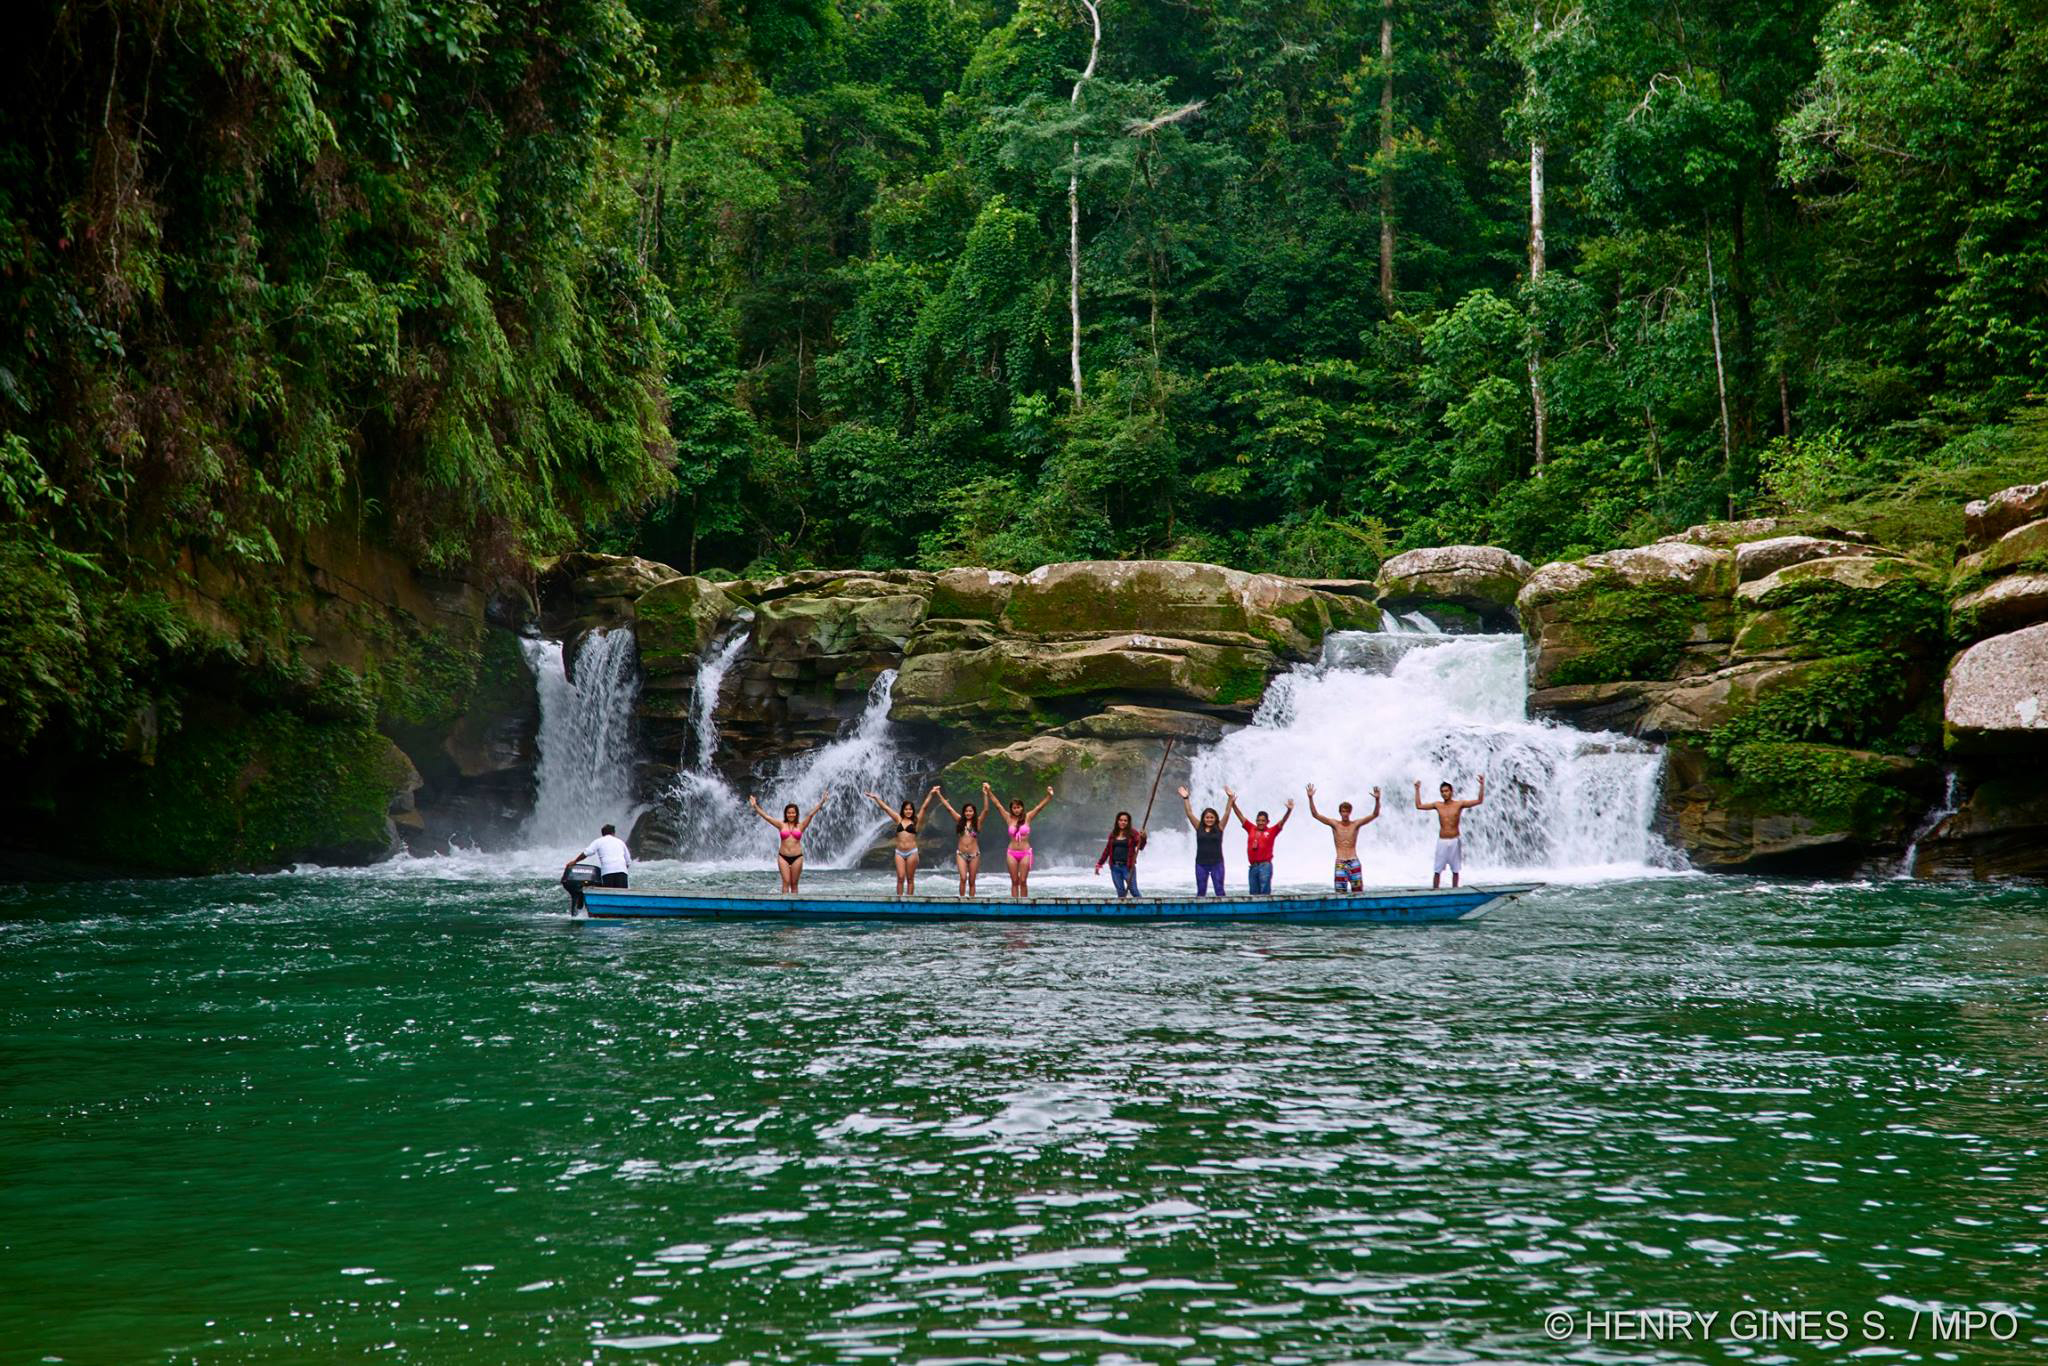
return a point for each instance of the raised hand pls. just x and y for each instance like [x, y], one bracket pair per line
[1183, 794]
[1048, 792]
[1311, 789]
[1290, 803]
[1230, 792]
[1375, 796]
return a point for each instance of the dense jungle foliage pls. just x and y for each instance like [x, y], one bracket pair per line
[740, 283]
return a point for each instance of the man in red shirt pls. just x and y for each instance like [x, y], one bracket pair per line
[1258, 843]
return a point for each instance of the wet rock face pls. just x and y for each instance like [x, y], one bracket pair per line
[1455, 585]
[1094, 779]
[1999, 830]
[1756, 559]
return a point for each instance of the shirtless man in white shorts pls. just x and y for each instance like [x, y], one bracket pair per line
[1450, 845]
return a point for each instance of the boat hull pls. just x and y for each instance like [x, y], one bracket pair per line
[1419, 905]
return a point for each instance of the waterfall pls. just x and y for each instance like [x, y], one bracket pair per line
[704, 699]
[717, 826]
[585, 774]
[1951, 793]
[1409, 704]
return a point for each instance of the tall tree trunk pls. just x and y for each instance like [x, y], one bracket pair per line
[1387, 155]
[1720, 368]
[1074, 205]
[1539, 404]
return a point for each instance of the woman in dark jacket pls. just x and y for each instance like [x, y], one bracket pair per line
[1120, 852]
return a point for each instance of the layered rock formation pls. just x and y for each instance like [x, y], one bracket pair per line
[1789, 674]
[1995, 699]
[1072, 675]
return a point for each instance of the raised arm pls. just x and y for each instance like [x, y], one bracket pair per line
[763, 814]
[1375, 810]
[1481, 798]
[1032, 814]
[1231, 808]
[950, 810]
[922, 810]
[1420, 805]
[815, 810]
[1189, 809]
[1312, 808]
[887, 809]
[1280, 824]
[991, 802]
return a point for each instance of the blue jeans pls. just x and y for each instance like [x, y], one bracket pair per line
[1204, 872]
[1260, 876]
[1125, 877]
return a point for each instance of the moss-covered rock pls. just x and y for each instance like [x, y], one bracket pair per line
[1755, 559]
[1609, 628]
[1767, 806]
[855, 618]
[2002, 605]
[973, 594]
[231, 790]
[675, 621]
[1455, 585]
[2024, 548]
[1988, 519]
[1093, 780]
[1182, 600]
[1023, 677]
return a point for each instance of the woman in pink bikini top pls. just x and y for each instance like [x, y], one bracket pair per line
[1019, 820]
[790, 839]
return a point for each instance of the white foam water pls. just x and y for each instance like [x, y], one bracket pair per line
[584, 777]
[716, 826]
[1407, 705]
[704, 699]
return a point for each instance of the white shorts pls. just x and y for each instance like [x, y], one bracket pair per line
[1450, 854]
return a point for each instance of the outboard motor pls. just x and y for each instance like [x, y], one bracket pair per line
[575, 878]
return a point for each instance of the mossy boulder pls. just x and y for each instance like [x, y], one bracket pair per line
[1608, 628]
[1471, 586]
[1988, 519]
[2002, 605]
[865, 615]
[235, 790]
[1724, 535]
[1093, 779]
[972, 594]
[1169, 598]
[1841, 605]
[1996, 698]
[676, 620]
[1148, 723]
[2024, 548]
[1021, 676]
[584, 591]
[1755, 559]
[1768, 806]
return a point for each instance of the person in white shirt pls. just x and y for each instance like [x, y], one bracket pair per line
[611, 855]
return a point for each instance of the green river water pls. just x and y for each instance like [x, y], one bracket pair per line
[417, 1113]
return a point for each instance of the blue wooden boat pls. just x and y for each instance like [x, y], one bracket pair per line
[1419, 905]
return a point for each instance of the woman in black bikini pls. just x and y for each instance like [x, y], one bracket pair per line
[790, 850]
[908, 818]
[967, 854]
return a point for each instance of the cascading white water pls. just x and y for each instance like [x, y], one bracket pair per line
[716, 824]
[1403, 705]
[704, 699]
[1951, 801]
[585, 774]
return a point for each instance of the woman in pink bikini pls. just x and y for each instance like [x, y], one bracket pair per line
[790, 848]
[1019, 854]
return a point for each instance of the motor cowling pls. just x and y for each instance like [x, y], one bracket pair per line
[575, 878]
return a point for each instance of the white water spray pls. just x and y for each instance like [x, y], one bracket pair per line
[1403, 705]
[717, 826]
[1951, 801]
[585, 774]
[704, 699]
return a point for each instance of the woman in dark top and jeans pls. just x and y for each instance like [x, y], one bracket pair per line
[1120, 852]
[1208, 847]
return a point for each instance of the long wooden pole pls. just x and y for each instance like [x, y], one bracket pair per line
[1147, 822]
